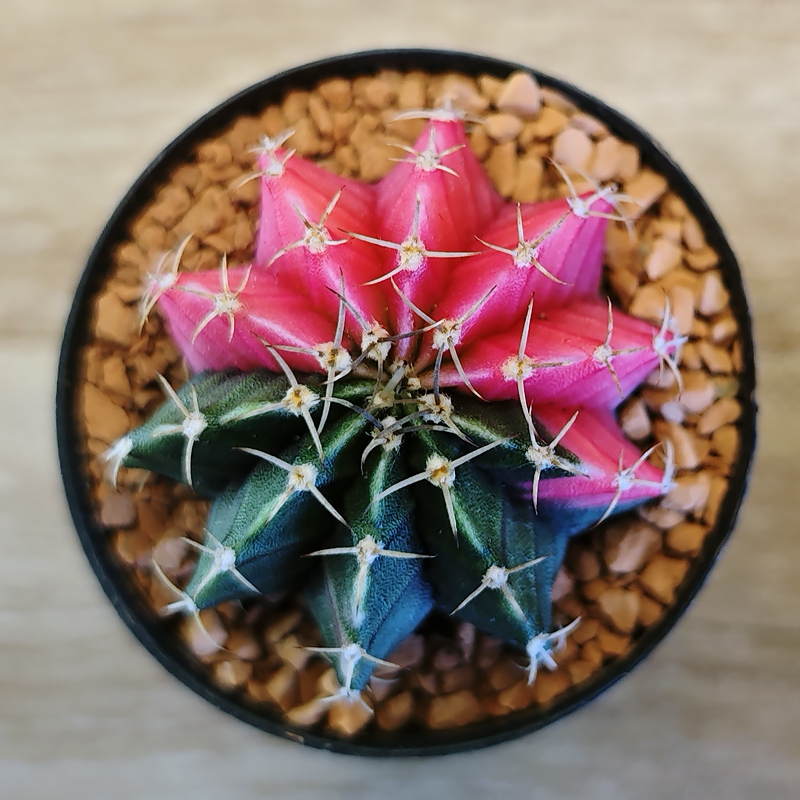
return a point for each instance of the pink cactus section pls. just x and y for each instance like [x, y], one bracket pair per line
[576, 355]
[290, 184]
[442, 165]
[432, 245]
[617, 474]
[239, 308]
[535, 250]
[302, 236]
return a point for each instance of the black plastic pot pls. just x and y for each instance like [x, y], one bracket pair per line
[113, 577]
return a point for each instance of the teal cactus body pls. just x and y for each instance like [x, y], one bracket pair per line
[406, 401]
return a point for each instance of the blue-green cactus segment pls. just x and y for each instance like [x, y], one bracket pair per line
[483, 423]
[172, 442]
[193, 435]
[497, 571]
[257, 534]
[369, 592]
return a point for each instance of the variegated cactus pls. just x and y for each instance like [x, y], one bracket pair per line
[406, 399]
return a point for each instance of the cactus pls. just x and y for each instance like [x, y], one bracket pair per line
[405, 400]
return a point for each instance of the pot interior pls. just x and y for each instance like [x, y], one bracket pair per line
[105, 385]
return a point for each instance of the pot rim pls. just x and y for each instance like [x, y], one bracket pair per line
[138, 616]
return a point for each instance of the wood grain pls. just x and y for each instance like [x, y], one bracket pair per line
[89, 92]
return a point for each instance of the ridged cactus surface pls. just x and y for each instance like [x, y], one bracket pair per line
[406, 400]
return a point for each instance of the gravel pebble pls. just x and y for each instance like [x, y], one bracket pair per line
[583, 563]
[686, 539]
[661, 516]
[490, 87]
[554, 98]
[232, 674]
[502, 127]
[282, 687]
[580, 671]
[592, 652]
[703, 259]
[692, 234]
[460, 677]
[307, 714]
[529, 179]
[453, 710]
[410, 652]
[681, 300]
[725, 442]
[662, 576]
[463, 93]
[572, 148]
[518, 696]
[520, 94]
[689, 493]
[379, 93]
[588, 124]
[611, 644]
[115, 322]
[717, 359]
[343, 124]
[243, 643]
[549, 685]
[347, 717]
[724, 329]
[635, 420]
[620, 607]
[375, 163]
[170, 552]
[115, 376]
[502, 167]
[697, 393]
[118, 510]
[412, 92]
[683, 442]
[628, 544]
[629, 162]
[206, 637]
[716, 494]
[562, 585]
[648, 303]
[104, 419]
[549, 122]
[587, 630]
[650, 611]
[607, 158]
[713, 296]
[645, 188]
[663, 257]
[723, 412]
[503, 674]
[395, 712]
[336, 93]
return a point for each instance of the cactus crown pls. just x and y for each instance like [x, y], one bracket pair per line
[406, 399]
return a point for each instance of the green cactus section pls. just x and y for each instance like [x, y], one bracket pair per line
[497, 568]
[196, 435]
[369, 593]
[390, 502]
[484, 423]
[261, 530]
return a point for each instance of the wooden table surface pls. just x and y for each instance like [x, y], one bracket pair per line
[89, 92]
